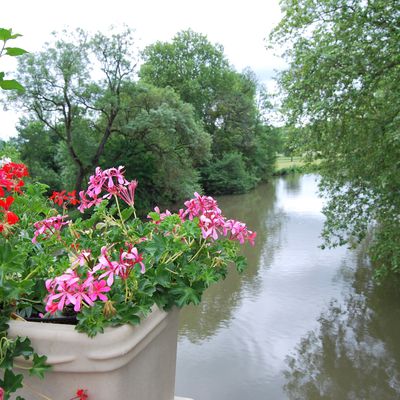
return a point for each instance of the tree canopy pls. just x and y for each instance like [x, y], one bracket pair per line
[229, 104]
[341, 91]
[188, 122]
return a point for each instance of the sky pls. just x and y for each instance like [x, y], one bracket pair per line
[239, 26]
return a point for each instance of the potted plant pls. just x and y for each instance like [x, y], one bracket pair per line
[98, 293]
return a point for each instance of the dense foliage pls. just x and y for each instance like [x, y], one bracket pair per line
[341, 92]
[176, 127]
[229, 104]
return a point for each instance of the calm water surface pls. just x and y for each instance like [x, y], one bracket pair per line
[300, 323]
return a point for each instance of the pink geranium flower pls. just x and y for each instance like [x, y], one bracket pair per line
[49, 226]
[109, 182]
[98, 288]
[127, 192]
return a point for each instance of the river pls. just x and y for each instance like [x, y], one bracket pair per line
[300, 322]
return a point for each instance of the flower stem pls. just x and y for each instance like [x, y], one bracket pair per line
[120, 215]
[173, 258]
[32, 273]
[198, 251]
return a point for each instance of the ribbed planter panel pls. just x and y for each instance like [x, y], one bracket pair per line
[130, 363]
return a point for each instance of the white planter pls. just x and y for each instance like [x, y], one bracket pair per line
[135, 363]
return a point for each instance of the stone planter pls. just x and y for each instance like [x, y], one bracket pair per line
[135, 363]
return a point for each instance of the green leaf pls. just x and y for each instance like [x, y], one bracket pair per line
[241, 263]
[154, 216]
[11, 85]
[126, 214]
[1, 76]
[5, 34]
[15, 51]
[185, 295]
[11, 382]
[39, 366]
[22, 348]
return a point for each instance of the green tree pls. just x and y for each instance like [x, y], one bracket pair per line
[160, 143]
[191, 65]
[63, 95]
[343, 86]
[225, 101]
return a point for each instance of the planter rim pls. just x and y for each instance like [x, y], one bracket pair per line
[75, 350]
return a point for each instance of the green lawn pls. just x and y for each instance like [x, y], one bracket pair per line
[287, 162]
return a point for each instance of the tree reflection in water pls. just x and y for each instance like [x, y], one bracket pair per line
[197, 323]
[355, 351]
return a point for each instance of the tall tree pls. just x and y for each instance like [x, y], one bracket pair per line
[62, 94]
[191, 65]
[342, 86]
[160, 142]
[225, 101]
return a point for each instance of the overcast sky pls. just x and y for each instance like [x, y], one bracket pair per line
[240, 26]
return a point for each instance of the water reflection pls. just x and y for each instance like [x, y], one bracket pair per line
[293, 184]
[233, 346]
[219, 301]
[355, 352]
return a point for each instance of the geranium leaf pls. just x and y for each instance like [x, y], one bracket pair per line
[126, 214]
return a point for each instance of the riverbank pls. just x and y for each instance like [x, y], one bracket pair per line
[290, 165]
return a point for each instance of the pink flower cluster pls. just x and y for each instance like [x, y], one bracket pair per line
[72, 288]
[162, 215]
[211, 221]
[49, 226]
[112, 182]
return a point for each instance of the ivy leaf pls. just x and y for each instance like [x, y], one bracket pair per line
[23, 348]
[39, 366]
[15, 51]
[11, 382]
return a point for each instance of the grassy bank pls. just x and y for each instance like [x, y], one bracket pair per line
[288, 165]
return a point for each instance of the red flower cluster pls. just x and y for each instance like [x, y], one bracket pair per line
[11, 180]
[81, 394]
[11, 177]
[64, 199]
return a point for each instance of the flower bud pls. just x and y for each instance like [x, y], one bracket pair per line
[109, 309]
